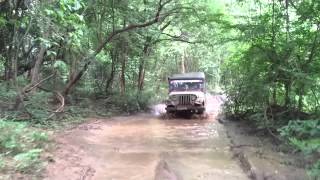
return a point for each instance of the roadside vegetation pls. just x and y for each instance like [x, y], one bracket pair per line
[64, 60]
[20, 149]
[272, 76]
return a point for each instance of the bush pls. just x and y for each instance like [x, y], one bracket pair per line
[301, 129]
[131, 101]
[305, 137]
[37, 106]
[315, 170]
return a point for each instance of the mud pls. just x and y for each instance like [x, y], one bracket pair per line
[148, 147]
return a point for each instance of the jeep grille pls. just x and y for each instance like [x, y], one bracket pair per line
[185, 99]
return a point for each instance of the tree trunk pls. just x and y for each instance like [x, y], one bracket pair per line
[300, 101]
[35, 71]
[113, 69]
[7, 70]
[287, 94]
[146, 51]
[14, 68]
[274, 95]
[75, 79]
[74, 65]
[183, 67]
[13, 57]
[123, 67]
[141, 75]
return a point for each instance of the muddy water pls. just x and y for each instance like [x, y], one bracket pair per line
[146, 147]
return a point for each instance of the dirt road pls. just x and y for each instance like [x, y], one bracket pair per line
[147, 147]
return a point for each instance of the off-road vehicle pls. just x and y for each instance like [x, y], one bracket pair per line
[187, 93]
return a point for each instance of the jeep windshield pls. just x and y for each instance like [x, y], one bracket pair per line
[186, 85]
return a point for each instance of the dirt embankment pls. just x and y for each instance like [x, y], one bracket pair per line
[260, 157]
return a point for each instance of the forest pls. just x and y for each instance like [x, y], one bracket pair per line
[63, 60]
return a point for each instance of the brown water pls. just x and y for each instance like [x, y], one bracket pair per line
[146, 147]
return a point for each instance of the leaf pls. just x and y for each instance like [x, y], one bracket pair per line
[2, 21]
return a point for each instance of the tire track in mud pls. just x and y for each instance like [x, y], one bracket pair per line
[164, 172]
[238, 153]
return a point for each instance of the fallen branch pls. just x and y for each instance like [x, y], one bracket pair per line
[28, 88]
[61, 107]
[23, 93]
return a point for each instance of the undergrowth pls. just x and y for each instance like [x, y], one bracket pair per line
[305, 137]
[20, 148]
[23, 139]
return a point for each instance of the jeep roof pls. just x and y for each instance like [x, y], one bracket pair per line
[187, 76]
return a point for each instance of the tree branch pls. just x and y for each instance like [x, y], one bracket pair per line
[165, 26]
[177, 38]
[28, 88]
[156, 19]
[130, 27]
[61, 107]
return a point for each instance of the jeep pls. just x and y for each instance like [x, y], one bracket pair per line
[187, 93]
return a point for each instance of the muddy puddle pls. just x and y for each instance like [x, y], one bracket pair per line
[147, 147]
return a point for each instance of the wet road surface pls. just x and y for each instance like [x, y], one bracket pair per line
[146, 147]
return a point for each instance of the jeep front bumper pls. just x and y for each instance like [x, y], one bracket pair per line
[190, 108]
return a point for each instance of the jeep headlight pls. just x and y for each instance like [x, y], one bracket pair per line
[173, 97]
[193, 97]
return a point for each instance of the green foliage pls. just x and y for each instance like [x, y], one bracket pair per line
[71, 33]
[315, 170]
[276, 60]
[7, 94]
[28, 161]
[131, 102]
[302, 129]
[20, 145]
[39, 106]
[10, 139]
[2, 21]
[36, 108]
[305, 137]
[271, 75]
